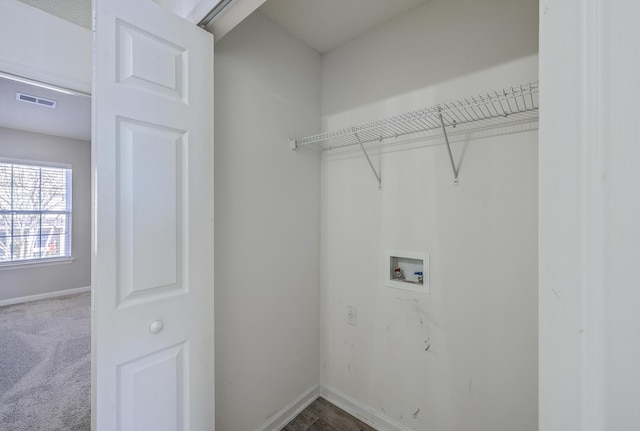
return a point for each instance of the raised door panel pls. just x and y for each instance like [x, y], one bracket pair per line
[149, 62]
[150, 198]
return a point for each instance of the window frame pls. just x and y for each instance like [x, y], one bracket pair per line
[43, 261]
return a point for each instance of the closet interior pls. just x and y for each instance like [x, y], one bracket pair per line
[414, 140]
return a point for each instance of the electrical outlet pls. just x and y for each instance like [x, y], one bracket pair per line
[352, 315]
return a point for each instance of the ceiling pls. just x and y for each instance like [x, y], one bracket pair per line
[327, 24]
[321, 24]
[71, 117]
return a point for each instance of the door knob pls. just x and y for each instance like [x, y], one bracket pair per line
[156, 326]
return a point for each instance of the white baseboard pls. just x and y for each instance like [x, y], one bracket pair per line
[355, 408]
[49, 295]
[280, 419]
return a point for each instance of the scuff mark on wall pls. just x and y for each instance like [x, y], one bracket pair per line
[352, 346]
[426, 319]
[415, 415]
[429, 326]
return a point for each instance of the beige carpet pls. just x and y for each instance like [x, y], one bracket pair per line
[45, 365]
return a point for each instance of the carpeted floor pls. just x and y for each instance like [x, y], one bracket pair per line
[45, 365]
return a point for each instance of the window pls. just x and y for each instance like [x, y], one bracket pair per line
[35, 212]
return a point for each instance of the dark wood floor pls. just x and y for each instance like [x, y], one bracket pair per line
[321, 415]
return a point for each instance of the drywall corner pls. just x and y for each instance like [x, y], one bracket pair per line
[267, 223]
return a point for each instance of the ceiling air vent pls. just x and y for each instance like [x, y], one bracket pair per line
[35, 100]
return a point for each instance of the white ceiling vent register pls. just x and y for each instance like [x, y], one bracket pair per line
[35, 100]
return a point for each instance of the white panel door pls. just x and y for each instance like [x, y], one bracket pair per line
[152, 268]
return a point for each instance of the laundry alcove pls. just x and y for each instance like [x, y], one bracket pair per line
[309, 228]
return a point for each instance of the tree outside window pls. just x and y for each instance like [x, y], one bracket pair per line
[35, 212]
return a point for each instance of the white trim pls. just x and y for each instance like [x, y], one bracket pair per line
[33, 263]
[201, 10]
[45, 77]
[232, 16]
[49, 295]
[43, 85]
[280, 419]
[36, 163]
[593, 203]
[355, 408]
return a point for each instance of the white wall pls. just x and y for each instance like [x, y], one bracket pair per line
[43, 47]
[480, 319]
[26, 281]
[589, 211]
[266, 222]
[436, 42]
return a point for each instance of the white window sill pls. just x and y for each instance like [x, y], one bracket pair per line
[23, 264]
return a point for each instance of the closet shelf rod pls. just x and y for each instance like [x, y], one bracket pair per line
[495, 108]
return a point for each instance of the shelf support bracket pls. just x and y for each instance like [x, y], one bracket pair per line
[446, 140]
[369, 160]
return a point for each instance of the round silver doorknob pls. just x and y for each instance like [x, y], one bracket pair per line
[156, 326]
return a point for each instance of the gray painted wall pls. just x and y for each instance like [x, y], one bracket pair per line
[267, 223]
[26, 281]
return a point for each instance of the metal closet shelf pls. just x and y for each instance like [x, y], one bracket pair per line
[496, 108]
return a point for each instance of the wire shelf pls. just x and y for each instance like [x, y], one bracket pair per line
[497, 108]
